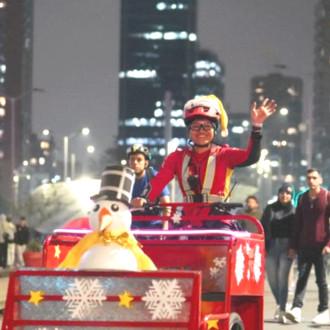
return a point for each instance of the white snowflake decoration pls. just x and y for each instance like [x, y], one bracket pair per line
[239, 266]
[214, 271]
[257, 263]
[177, 218]
[164, 299]
[220, 262]
[217, 271]
[82, 296]
[248, 252]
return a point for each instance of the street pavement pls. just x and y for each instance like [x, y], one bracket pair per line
[308, 312]
[309, 309]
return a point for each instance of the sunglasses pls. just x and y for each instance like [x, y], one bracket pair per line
[198, 127]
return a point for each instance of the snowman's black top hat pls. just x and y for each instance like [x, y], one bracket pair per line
[116, 184]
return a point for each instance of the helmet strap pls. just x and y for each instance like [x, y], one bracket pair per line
[202, 145]
[191, 144]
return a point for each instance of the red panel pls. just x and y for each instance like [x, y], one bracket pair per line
[239, 255]
[190, 257]
[15, 298]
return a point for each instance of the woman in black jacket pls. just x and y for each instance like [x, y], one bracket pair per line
[277, 220]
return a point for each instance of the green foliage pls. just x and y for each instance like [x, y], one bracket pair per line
[46, 202]
[34, 246]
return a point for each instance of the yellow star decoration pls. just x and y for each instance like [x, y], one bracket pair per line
[57, 252]
[36, 297]
[125, 299]
[212, 324]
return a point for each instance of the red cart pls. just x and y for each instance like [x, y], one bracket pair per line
[206, 279]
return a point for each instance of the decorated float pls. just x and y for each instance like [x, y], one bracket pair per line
[112, 277]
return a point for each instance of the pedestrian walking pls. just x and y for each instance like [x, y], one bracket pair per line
[311, 242]
[21, 239]
[277, 220]
[10, 230]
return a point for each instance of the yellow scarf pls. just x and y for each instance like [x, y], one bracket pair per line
[126, 240]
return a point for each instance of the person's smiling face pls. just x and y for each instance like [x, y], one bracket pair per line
[201, 131]
[284, 197]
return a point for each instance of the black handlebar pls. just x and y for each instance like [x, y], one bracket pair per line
[224, 207]
[215, 206]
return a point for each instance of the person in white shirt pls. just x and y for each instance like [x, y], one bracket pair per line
[10, 229]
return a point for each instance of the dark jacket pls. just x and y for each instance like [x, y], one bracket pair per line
[22, 235]
[277, 220]
[311, 224]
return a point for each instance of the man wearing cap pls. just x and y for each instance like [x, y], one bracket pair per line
[277, 220]
[203, 169]
[310, 241]
[138, 160]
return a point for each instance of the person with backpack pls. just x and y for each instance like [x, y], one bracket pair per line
[138, 160]
[310, 242]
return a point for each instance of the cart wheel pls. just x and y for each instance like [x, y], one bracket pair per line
[235, 322]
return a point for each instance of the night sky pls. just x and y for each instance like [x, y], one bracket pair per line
[76, 57]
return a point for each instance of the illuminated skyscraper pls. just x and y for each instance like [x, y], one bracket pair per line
[158, 52]
[16, 28]
[208, 75]
[321, 113]
[283, 133]
[161, 68]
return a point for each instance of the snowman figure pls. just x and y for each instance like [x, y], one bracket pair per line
[110, 245]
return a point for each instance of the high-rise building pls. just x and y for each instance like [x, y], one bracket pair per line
[321, 113]
[39, 168]
[161, 68]
[158, 52]
[208, 75]
[283, 133]
[16, 28]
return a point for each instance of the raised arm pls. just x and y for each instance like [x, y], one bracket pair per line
[261, 113]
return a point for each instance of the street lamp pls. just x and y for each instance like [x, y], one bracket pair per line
[84, 131]
[90, 149]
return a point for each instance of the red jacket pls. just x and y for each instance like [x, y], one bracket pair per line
[213, 168]
[311, 225]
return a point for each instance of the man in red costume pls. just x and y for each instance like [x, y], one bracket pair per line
[203, 169]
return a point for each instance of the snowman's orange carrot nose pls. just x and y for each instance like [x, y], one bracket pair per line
[104, 218]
